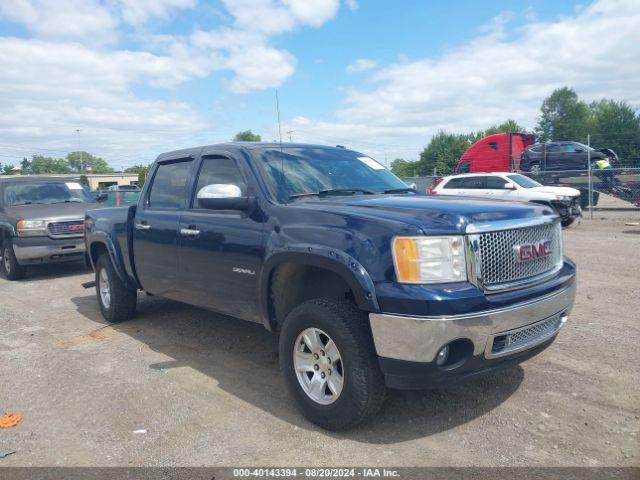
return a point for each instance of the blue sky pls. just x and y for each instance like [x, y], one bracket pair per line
[139, 77]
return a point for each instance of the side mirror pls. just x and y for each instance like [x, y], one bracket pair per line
[101, 197]
[510, 186]
[222, 196]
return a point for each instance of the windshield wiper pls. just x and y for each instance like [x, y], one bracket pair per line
[26, 203]
[338, 191]
[67, 201]
[399, 190]
[331, 191]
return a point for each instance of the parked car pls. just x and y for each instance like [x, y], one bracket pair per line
[41, 221]
[512, 186]
[562, 156]
[368, 283]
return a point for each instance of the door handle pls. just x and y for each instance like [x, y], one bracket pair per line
[189, 232]
[142, 226]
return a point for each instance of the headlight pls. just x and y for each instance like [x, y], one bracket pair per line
[30, 228]
[429, 259]
[563, 198]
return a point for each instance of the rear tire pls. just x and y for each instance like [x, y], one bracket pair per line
[117, 301]
[344, 330]
[11, 269]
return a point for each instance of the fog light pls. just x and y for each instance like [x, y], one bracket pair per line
[442, 356]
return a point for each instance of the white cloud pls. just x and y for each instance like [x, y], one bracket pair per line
[272, 17]
[137, 12]
[62, 19]
[72, 74]
[493, 77]
[361, 65]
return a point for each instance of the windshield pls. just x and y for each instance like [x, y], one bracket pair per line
[28, 193]
[296, 171]
[524, 182]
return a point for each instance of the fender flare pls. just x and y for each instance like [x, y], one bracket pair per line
[115, 255]
[9, 228]
[339, 262]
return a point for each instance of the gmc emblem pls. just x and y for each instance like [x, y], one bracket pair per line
[76, 228]
[531, 251]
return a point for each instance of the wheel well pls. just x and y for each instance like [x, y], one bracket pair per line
[3, 235]
[292, 284]
[96, 250]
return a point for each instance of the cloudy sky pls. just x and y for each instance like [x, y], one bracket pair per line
[139, 77]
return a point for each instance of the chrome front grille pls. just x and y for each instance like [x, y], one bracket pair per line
[499, 261]
[73, 228]
[525, 337]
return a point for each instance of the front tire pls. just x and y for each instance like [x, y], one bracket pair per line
[11, 269]
[567, 222]
[117, 301]
[329, 364]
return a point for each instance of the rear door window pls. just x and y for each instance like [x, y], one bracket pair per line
[168, 190]
[471, 183]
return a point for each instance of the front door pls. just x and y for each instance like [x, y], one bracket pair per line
[221, 251]
[155, 228]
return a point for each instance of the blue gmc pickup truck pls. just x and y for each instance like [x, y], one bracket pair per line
[368, 283]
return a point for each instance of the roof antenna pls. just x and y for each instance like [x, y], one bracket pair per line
[279, 125]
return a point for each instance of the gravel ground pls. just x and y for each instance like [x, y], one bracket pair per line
[183, 386]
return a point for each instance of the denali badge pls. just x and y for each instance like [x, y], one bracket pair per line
[245, 271]
[531, 251]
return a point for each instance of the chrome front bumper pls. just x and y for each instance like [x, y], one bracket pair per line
[418, 339]
[47, 250]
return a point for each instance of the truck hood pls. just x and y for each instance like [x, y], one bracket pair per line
[571, 192]
[435, 215]
[56, 211]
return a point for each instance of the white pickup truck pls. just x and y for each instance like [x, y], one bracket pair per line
[512, 186]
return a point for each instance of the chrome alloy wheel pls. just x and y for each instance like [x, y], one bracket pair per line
[105, 288]
[7, 260]
[318, 366]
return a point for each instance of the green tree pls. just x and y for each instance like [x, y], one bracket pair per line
[247, 136]
[617, 126]
[404, 168]
[80, 161]
[141, 170]
[8, 170]
[564, 117]
[42, 165]
[443, 152]
[508, 126]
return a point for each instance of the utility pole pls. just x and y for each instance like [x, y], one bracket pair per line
[290, 135]
[590, 176]
[80, 150]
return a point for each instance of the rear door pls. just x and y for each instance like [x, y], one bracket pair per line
[155, 229]
[555, 157]
[221, 251]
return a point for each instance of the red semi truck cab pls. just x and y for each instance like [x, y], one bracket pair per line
[499, 152]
